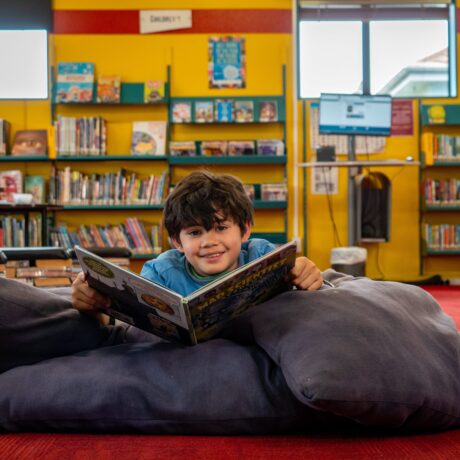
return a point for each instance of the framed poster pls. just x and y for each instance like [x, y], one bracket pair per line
[227, 62]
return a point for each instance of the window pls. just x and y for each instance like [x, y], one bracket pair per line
[405, 50]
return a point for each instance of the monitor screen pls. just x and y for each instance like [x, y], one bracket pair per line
[355, 114]
[24, 69]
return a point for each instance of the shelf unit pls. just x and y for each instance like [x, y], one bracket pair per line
[440, 189]
[270, 216]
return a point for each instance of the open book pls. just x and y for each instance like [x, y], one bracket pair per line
[202, 314]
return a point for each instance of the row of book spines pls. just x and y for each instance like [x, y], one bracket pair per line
[265, 147]
[442, 190]
[132, 234]
[442, 236]
[12, 231]
[80, 136]
[4, 136]
[74, 187]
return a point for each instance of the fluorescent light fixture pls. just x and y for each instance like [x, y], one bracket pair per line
[23, 64]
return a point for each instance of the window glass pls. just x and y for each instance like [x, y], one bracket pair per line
[409, 58]
[330, 57]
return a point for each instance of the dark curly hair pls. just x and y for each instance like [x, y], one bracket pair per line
[200, 197]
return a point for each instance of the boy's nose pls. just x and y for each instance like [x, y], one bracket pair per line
[209, 239]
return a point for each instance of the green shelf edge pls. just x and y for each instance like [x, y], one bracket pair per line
[273, 237]
[446, 208]
[442, 253]
[249, 159]
[90, 207]
[263, 204]
[25, 158]
[114, 158]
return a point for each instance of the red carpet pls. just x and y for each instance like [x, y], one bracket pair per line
[437, 446]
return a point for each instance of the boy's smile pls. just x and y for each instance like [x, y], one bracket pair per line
[212, 251]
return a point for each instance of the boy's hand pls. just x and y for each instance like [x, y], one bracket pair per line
[306, 275]
[85, 298]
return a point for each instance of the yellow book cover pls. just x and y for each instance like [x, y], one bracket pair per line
[108, 89]
[154, 91]
[427, 146]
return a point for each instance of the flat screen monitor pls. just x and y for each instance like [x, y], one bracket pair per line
[24, 64]
[355, 114]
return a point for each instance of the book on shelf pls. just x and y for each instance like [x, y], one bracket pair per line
[273, 192]
[214, 148]
[4, 136]
[30, 142]
[154, 91]
[268, 111]
[250, 191]
[148, 138]
[270, 147]
[35, 185]
[182, 112]
[223, 110]
[204, 112]
[244, 111]
[81, 136]
[10, 182]
[199, 316]
[52, 282]
[237, 148]
[74, 82]
[108, 89]
[182, 148]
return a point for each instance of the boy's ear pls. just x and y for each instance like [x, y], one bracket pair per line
[176, 243]
[247, 233]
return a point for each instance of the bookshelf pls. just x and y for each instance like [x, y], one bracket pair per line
[129, 181]
[440, 190]
[193, 127]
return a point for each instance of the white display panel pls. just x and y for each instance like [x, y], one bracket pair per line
[23, 64]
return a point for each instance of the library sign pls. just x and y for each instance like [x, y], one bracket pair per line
[151, 21]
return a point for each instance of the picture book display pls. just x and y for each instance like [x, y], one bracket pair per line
[237, 148]
[224, 110]
[270, 147]
[182, 112]
[214, 148]
[4, 135]
[108, 89]
[148, 138]
[154, 91]
[10, 182]
[182, 148]
[74, 82]
[244, 111]
[35, 185]
[30, 142]
[268, 111]
[204, 111]
[202, 314]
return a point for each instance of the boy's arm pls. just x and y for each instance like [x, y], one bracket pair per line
[306, 275]
[85, 298]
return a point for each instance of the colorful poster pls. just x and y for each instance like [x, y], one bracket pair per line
[227, 62]
[402, 117]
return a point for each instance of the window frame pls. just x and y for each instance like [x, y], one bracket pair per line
[366, 13]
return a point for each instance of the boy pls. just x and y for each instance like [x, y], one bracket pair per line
[208, 218]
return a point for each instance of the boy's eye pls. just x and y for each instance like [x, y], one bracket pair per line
[221, 228]
[194, 232]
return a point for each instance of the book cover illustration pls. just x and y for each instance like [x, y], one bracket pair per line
[108, 89]
[273, 192]
[154, 91]
[148, 138]
[182, 148]
[204, 112]
[268, 111]
[202, 314]
[10, 182]
[182, 112]
[224, 110]
[75, 82]
[30, 142]
[238, 148]
[214, 148]
[270, 147]
[250, 191]
[35, 185]
[244, 111]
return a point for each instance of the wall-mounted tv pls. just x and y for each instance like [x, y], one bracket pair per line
[24, 64]
[355, 114]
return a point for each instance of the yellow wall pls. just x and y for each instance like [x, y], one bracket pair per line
[138, 58]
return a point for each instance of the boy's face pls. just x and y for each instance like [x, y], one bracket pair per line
[214, 251]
